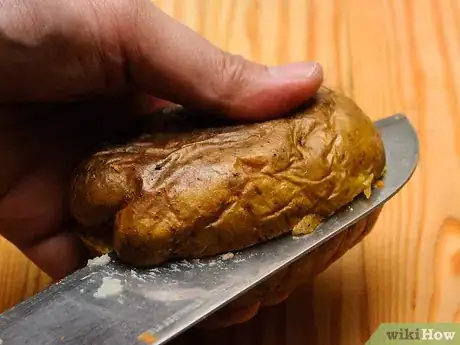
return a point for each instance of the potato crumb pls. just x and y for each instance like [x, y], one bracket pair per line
[306, 225]
[379, 184]
[99, 261]
[109, 287]
[227, 256]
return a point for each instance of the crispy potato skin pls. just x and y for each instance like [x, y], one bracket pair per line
[190, 193]
[191, 187]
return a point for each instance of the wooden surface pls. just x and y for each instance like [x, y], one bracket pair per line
[390, 56]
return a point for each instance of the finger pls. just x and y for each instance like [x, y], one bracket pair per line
[32, 218]
[171, 61]
[146, 104]
[58, 255]
[34, 203]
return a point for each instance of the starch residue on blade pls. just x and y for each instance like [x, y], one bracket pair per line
[109, 287]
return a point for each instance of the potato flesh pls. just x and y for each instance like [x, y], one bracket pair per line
[190, 194]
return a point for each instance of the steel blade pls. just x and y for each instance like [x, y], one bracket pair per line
[114, 304]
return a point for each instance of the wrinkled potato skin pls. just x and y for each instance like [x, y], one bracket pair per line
[194, 193]
[195, 187]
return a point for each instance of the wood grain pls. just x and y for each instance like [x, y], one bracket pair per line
[390, 56]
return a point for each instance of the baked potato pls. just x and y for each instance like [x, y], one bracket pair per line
[191, 186]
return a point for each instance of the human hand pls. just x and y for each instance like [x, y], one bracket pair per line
[72, 71]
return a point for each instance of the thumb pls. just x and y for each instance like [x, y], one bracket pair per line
[171, 61]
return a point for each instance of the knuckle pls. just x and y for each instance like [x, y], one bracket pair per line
[231, 79]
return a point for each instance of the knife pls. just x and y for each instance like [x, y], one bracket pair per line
[107, 302]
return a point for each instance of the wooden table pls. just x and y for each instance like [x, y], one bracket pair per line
[390, 56]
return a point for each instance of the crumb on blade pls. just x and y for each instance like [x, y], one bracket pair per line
[99, 261]
[379, 184]
[227, 256]
[109, 287]
[307, 225]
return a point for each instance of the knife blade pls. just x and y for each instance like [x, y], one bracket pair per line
[108, 302]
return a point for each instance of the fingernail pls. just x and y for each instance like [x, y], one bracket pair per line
[297, 70]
